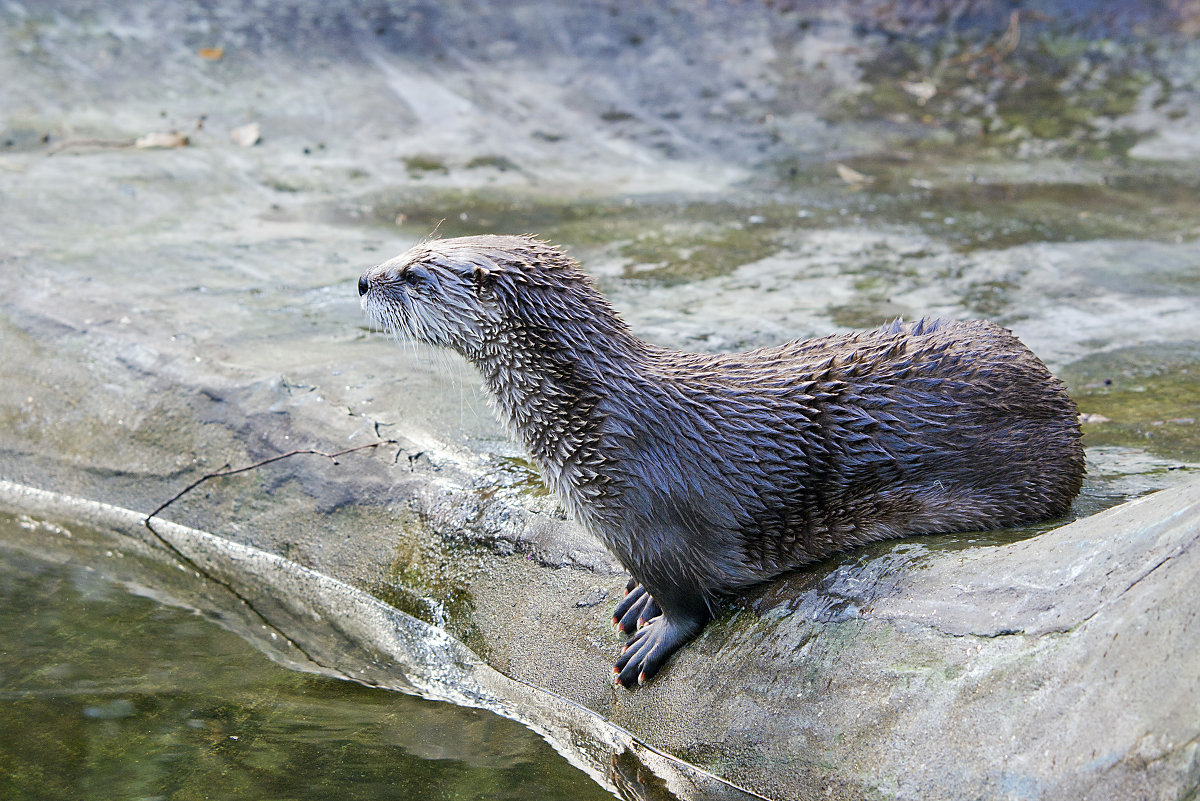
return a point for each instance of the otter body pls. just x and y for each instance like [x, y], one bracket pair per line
[704, 474]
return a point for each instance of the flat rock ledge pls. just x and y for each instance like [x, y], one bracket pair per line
[1061, 667]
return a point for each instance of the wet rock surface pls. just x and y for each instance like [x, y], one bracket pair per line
[167, 311]
[1035, 669]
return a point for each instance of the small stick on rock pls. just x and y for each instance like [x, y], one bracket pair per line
[201, 571]
[227, 471]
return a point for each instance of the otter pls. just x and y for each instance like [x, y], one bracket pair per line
[705, 474]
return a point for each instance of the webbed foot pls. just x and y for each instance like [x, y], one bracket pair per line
[650, 647]
[636, 609]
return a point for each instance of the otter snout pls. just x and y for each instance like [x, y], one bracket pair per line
[363, 284]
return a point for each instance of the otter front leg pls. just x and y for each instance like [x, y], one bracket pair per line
[636, 609]
[651, 645]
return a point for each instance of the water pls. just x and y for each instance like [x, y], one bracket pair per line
[109, 694]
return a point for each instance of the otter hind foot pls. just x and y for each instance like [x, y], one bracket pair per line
[636, 609]
[651, 646]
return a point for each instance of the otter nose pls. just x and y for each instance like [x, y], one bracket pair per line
[363, 285]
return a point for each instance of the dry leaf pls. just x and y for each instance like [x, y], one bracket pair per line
[853, 177]
[161, 139]
[211, 53]
[247, 135]
[923, 91]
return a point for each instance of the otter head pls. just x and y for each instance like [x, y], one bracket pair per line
[476, 293]
[438, 292]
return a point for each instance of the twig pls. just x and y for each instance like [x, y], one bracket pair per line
[1011, 38]
[227, 471]
[1004, 46]
[72, 144]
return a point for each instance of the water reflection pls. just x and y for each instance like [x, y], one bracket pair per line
[105, 694]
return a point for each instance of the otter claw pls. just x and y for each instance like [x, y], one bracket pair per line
[636, 609]
[651, 646]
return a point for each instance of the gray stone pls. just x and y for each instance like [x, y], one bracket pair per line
[1062, 666]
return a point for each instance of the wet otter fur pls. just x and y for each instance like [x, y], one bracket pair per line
[707, 473]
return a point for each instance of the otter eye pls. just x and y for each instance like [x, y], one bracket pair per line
[414, 275]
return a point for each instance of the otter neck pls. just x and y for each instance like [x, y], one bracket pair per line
[545, 382]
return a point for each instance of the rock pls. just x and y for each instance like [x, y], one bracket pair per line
[1062, 666]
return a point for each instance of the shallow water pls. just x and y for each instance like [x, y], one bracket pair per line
[105, 693]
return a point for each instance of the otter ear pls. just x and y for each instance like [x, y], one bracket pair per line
[483, 277]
